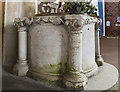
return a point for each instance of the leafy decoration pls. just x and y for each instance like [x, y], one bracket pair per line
[81, 8]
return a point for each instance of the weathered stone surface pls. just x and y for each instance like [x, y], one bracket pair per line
[76, 80]
[108, 73]
[48, 48]
[21, 68]
[58, 45]
[88, 47]
[74, 77]
[98, 58]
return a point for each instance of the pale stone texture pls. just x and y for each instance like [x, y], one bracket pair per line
[58, 45]
[48, 49]
[98, 57]
[21, 68]
[89, 64]
[49, 53]
[74, 77]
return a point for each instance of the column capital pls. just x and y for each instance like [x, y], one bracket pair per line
[23, 22]
[97, 24]
[74, 23]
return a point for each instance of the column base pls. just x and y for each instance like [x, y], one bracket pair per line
[99, 60]
[106, 79]
[75, 80]
[43, 75]
[21, 68]
[91, 71]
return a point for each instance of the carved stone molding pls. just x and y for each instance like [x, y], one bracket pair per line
[22, 22]
[56, 20]
[73, 22]
[76, 22]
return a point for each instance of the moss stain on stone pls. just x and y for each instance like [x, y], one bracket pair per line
[77, 86]
[65, 64]
[52, 65]
[52, 68]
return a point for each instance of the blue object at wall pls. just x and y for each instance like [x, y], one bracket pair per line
[100, 9]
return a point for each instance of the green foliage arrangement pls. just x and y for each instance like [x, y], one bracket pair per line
[81, 8]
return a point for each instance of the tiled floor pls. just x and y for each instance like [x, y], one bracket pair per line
[110, 53]
[109, 50]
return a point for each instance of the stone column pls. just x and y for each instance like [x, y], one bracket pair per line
[75, 77]
[99, 59]
[21, 67]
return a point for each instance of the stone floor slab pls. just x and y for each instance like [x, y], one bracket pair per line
[105, 79]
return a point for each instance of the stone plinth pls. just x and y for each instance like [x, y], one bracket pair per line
[105, 79]
[61, 47]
